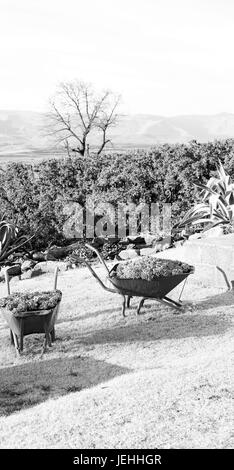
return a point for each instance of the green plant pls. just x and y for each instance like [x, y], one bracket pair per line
[149, 268]
[217, 202]
[33, 196]
[9, 240]
[29, 301]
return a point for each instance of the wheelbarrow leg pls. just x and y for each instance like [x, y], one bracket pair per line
[52, 334]
[21, 334]
[16, 343]
[128, 300]
[11, 337]
[47, 341]
[44, 345]
[47, 338]
[123, 306]
[141, 303]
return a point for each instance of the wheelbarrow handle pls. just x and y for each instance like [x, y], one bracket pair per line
[97, 277]
[56, 271]
[7, 279]
[99, 256]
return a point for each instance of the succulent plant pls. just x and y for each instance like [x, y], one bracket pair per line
[217, 202]
[149, 268]
[26, 302]
[10, 240]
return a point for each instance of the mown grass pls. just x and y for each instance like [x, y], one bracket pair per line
[159, 380]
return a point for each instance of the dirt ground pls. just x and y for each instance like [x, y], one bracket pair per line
[159, 380]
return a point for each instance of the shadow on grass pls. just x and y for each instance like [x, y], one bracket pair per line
[92, 314]
[155, 325]
[26, 385]
[174, 327]
[219, 300]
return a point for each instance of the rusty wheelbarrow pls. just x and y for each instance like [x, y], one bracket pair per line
[156, 289]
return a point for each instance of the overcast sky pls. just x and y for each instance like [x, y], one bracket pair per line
[165, 57]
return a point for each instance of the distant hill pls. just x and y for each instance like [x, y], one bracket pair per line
[24, 132]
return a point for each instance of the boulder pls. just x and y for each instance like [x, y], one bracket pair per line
[150, 239]
[39, 256]
[48, 267]
[27, 274]
[147, 251]
[28, 264]
[128, 254]
[163, 244]
[59, 252]
[213, 232]
[195, 236]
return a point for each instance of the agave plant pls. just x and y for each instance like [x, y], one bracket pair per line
[10, 240]
[217, 206]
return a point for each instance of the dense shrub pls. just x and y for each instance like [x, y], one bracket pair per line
[33, 196]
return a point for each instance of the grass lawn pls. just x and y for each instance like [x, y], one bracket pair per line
[161, 380]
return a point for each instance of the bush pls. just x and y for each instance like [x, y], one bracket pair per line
[33, 196]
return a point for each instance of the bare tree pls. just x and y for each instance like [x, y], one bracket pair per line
[77, 111]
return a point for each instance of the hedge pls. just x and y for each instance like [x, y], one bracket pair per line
[33, 195]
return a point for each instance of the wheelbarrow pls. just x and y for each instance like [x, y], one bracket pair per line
[30, 322]
[156, 289]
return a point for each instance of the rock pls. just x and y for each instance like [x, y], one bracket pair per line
[150, 239]
[128, 254]
[195, 236]
[27, 274]
[59, 252]
[98, 241]
[55, 253]
[162, 245]
[147, 251]
[39, 256]
[137, 240]
[213, 232]
[179, 243]
[28, 264]
[48, 267]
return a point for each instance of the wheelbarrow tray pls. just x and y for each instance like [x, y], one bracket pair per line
[156, 288]
[35, 321]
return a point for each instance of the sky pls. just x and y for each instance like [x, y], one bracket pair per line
[165, 57]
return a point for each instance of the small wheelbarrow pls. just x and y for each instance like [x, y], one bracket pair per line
[128, 288]
[30, 322]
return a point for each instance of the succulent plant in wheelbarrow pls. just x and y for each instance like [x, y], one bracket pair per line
[149, 268]
[29, 313]
[31, 301]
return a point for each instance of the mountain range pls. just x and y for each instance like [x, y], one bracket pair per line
[26, 133]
